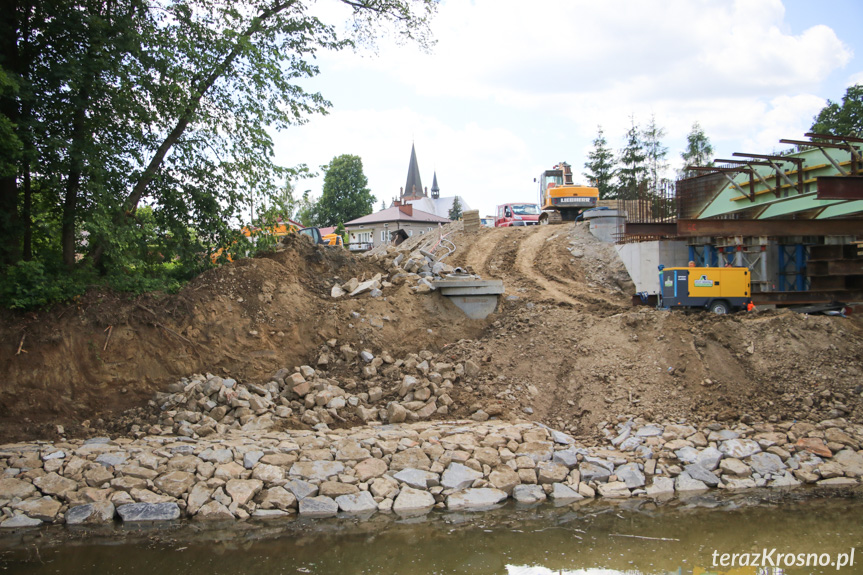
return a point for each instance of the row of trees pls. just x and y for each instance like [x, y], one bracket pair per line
[135, 133]
[642, 162]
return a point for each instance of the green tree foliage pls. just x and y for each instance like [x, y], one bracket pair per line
[632, 172]
[455, 212]
[305, 213]
[345, 196]
[655, 154]
[600, 166]
[698, 150]
[110, 106]
[844, 119]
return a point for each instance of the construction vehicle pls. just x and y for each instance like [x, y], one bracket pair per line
[561, 200]
[516, 214]
[720, 290]
[281, 229]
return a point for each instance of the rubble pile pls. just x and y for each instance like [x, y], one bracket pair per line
[407, 469]
[387, 390]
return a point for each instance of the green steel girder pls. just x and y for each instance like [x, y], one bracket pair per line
[787, 203]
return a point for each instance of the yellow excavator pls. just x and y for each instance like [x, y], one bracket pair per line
[560, 199]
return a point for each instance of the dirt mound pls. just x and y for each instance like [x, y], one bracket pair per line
[565, 347]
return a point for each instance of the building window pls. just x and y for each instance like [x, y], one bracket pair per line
[383, 236]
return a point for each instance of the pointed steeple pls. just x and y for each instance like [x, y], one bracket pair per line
[414, 185]
[435, 191]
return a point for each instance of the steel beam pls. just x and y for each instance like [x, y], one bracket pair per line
[650, 229]
[840, 188]
[774, 228]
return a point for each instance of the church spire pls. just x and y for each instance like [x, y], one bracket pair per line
[435, 191]
[414, 185]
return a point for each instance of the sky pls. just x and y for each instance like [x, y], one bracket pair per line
[512, 88]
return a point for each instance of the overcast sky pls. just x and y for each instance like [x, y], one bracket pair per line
[514, 87]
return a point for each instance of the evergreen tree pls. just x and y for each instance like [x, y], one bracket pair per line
[633, 170]
[383, 205]
[345, 196]
[600, 166]
[655, 153]
[845, 119]
[455, 211]
[698, 150]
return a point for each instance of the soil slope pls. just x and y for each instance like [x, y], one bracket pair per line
[564, 348]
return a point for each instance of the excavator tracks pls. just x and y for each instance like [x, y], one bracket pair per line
[550, 218]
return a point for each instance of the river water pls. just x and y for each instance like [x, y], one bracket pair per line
[633, 537]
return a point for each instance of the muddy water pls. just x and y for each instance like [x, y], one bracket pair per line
[632, 538]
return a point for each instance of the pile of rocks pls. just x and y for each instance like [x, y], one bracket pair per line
[406, 469]
[391, 391]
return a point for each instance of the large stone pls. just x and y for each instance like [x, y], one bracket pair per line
[336, 488]
[19, 521]
[593, 472]
[268, 473]
[133, 512]
[175, 483]
[661, 487]
[412, 500]
[699, 473]
[614, 490]
[53, 484]
[318, 506]
[369, 469]
[850, 461]
[814, 445]
[479, 498]
[360, 503]
[764, 463]
[91, 513]
[739, 448]
[316, 470]
[550, 472]
[112, 459]
[709, 458]
[301, 488]
[537, 450]
[351, 451]
[214, 511]
[243, 490]
[417, 478]
[687, 454]
[562, 493]
[568, 457]
[684, 482]
[631, 475]
[278, 498]
[198, 496]
[528, 494]
[504, 478]
[12, 488]
[217, 455]
[733, 466]
[458, 476]
[43, 508]
[413, 457]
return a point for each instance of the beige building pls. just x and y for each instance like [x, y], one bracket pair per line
[382, 227]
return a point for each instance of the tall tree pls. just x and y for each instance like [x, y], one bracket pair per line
[345, 196]
[633, 170]
[845, 119]
[656, 154]
[114, 104]
[698, 150]
[600, 166]
[455, 212]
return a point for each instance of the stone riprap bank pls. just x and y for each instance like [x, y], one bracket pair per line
[405, 469]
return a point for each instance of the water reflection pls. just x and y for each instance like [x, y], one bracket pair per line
[635, 537]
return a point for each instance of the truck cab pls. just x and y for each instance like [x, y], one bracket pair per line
[516, 214]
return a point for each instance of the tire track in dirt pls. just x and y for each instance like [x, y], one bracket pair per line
[531, 246]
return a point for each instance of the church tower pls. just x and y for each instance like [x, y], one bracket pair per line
[435, 191]
[413, 189]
